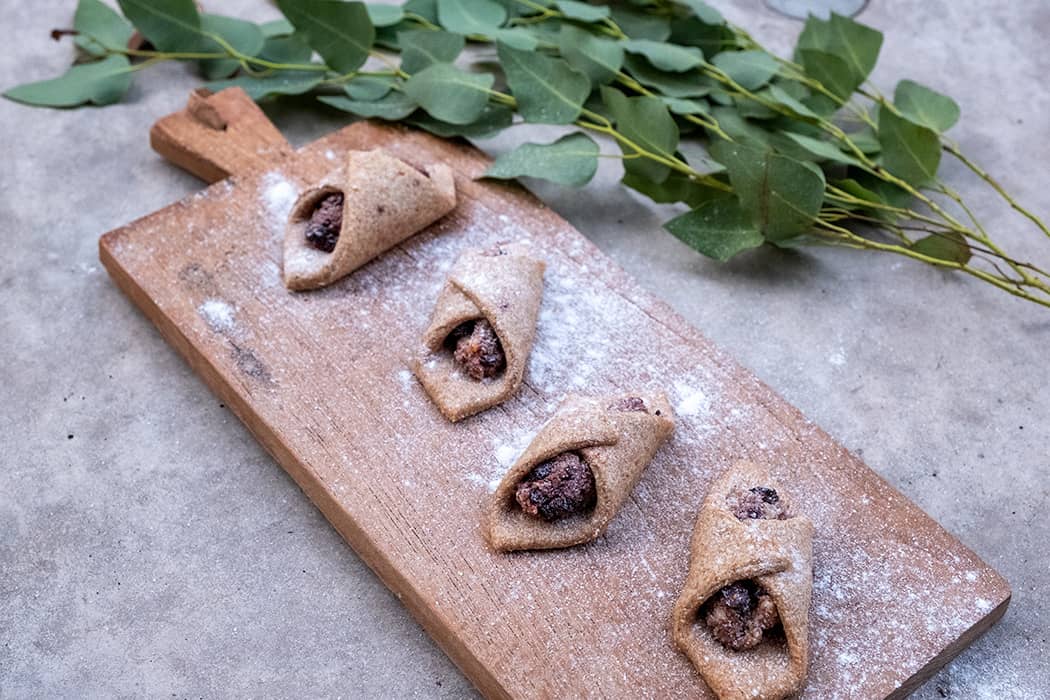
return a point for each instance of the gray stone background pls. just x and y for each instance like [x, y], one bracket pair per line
[149, 546]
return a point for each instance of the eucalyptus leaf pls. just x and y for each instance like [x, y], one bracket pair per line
[384, 15]
[493, 119]
[100, 28]
[690, 84]
[421, 48]
[471, 16]
[582, 11]
[925, 106]
[856, 45]
[288, 49]
[102, 83]
[712, 39]
[667, 57]
[751, 69]
[949, 245]
[676, 188]
[571, 160]
[866, 140]
[783, 195]
[719, 229]
[910, 151]
[393, 106]
[340, 32]
[427, 9]
[646, 122]
[682, 106]
[834, 73]
[245, 37]
[170, 25]
[279, 83]
[638, 24]
[823, 150]
[370, 88]
[450, 94]
[785, 99]
[599, 59]
[516, 38]
[704, 12]
[548, 90]
[276, 28]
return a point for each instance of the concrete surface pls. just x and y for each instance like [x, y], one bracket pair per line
[148, 545]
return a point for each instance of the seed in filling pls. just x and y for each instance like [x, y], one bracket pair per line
[557, 488]
[477, 349]
[322, 231]
[758, 503]
[739, 615]
[629, 403]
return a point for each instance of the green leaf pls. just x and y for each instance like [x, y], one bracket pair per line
[103, 82]
[782, 195]
[910, 151]
[245, 37]
[598, 59]
[548, 90]
[856, 45]
[471, 16]
[668, 57]
[670, 84]
[276, 28]
[704, 12]
[712, 39]
[340, 31]
[676, 188]
[290, 48]
[384, 15]
[823, 150]
[950, 246]
[516, 38]
[680, 106]
[866, 140]
[370, 88]
[719, 229]
[100, 28]
[833, 72]
[427, 9]
[925, 106]
[170, 25]
[571, 160]
[421, 48]
[638, 24]
[782, 97]
[450, 94]
[647, 123]
[751, 69]
[581, 11]
[393, 106]
[493, 119]
[280, 83]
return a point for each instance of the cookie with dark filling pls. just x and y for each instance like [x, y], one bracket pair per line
[743, 615]
[477, 344]
[577, 473]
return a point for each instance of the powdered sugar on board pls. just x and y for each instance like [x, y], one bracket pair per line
[329, 369]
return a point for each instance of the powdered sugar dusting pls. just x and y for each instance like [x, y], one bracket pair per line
[278, 195]
[218, 315]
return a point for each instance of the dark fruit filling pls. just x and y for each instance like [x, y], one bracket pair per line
[629, 403]
[477, 349]
[740, 614]
[322, 231]
[557, 488]
[758, 503]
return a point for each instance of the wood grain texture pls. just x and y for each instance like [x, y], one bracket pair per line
[321, 379]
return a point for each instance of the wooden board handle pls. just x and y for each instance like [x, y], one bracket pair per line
[218, 135]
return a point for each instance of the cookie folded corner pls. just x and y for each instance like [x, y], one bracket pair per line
[384, 201]
[739, 550]
[608, 441]
[476, 348]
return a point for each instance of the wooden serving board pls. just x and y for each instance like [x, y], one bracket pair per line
[321, 379]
